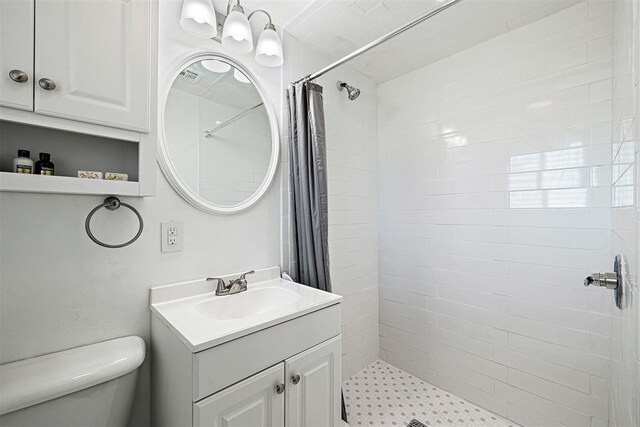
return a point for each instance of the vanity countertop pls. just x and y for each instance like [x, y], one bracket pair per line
[203, 320]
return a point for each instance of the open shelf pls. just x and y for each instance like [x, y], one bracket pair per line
[71, 152]
[66, 185]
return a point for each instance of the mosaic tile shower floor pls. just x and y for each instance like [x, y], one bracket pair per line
[382, 395]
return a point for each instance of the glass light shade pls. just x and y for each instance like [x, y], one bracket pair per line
[239, 75]
[216, 66]
[236, 34]
[199, 18]
[269, 49]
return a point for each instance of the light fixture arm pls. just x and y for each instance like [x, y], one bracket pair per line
[269, 25]
[229, 5]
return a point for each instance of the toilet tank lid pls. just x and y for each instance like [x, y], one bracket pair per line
[39, 379]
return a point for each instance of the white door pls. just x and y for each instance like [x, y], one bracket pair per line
[16, 54]
[92, 61]
[257, 401]
[313, 386]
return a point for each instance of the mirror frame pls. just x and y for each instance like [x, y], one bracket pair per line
[169, 169]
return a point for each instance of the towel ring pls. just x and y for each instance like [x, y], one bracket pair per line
[112, 203]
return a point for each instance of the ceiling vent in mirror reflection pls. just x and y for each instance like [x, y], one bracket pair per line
[190, 76]
[198, 17]
[219, 139]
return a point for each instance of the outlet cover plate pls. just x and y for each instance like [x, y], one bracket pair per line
[171, 236]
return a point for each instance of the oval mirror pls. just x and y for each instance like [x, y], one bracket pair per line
[219, 137]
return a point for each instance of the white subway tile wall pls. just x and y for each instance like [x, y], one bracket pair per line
[625, 390]
[352, 153]
[495, 173]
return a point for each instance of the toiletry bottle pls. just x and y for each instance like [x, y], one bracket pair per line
[22, 163]
[44, 166]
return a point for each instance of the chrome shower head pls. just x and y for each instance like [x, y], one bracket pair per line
[352, 92]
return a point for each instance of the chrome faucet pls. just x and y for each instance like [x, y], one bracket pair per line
[235, 286]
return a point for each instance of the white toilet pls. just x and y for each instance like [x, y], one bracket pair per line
[90, 386]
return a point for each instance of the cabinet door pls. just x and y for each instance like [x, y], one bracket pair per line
[16, 53]
[254, 402]
[97, 53]
[313, 386]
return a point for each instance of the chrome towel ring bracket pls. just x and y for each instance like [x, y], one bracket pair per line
[112, 204]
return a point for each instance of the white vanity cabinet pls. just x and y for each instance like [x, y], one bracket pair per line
[280, 367]
[307, 385]
[92, 60]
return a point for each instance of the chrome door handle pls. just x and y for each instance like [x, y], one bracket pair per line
[47, 84]
[614, 281]
[280, 388]
[607, 280]
[18, 76]
[295, 379]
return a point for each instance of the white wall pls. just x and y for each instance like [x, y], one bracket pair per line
[494, 205]
[351, 128]
[59, 290]
[625, 390]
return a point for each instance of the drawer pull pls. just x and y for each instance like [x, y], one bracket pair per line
[295, 379]
[280, 388]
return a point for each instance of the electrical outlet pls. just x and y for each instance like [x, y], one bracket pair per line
[172, 235]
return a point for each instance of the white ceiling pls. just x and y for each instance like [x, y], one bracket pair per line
[222, 88]
[338, 27]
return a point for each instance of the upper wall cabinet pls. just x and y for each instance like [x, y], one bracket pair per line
[16, 54]
[92, 60]
[78, 80]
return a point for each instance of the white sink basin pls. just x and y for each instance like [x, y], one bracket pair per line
[252, 302]
[203, 320]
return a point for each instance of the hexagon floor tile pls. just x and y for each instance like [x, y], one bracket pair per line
[382, 395]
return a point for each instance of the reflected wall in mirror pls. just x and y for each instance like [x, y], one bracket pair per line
[220, 141]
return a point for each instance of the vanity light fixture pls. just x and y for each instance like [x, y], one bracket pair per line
[239, 76]
[198, 18]
[269, 48]
[236, 33]
[216, 66]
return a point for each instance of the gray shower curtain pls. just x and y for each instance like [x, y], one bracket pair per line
[308, 183]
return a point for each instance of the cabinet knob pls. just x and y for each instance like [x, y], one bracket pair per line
[295, 379]
[47, 84]
[280, 388]
[18, 76]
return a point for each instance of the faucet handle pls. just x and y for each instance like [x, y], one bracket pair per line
[221, 289]
[239, 284]
[244, 275]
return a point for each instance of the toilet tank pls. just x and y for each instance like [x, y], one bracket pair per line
[90, 386]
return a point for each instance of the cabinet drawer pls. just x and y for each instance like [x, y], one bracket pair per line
[221, 366]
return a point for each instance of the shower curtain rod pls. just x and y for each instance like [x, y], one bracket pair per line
[379, 41]
[209, 133]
